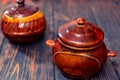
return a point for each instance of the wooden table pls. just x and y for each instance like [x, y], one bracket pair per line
[34, 61]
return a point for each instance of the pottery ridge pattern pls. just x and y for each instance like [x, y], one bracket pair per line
[25, 26]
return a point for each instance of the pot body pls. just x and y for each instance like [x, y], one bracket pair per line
[79, 51]
[79, 64]
[25, 29]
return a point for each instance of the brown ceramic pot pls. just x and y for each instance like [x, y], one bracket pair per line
[79, 51]
[22, 22]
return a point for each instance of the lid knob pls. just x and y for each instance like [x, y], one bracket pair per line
[20, 2]
[81, 22]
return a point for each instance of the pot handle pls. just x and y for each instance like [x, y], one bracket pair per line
[50, 43]
[111, 53]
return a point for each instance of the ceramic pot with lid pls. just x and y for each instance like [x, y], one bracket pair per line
[23, 22]
[79, 51]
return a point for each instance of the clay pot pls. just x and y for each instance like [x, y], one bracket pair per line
[22, 22]
[79, 51]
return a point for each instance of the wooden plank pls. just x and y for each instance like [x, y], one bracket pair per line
[7, 56]
[115, 7]
[34, 61]
[107, 72]
[5, 48]
[1, 35]
[31, 61]
[106, 18]
[114, 24]
[1, 39]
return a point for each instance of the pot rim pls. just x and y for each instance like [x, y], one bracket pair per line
[79, 48]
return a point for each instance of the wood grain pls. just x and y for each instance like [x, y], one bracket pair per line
[107, 18]
[34, 61]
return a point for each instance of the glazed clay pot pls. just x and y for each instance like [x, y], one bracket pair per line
[79, 51]
[22, 22]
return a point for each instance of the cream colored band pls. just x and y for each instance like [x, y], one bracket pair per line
[35, 16]
[76, 48]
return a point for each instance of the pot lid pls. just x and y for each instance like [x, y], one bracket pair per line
[80, 33]
[21, 9]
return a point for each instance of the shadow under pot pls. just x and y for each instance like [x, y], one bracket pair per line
[79, 51]
[22, 22]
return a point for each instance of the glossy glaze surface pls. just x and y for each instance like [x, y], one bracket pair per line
[80, 33]
[79, 64]
[79, 51]
[23, 23]
[34, 61]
